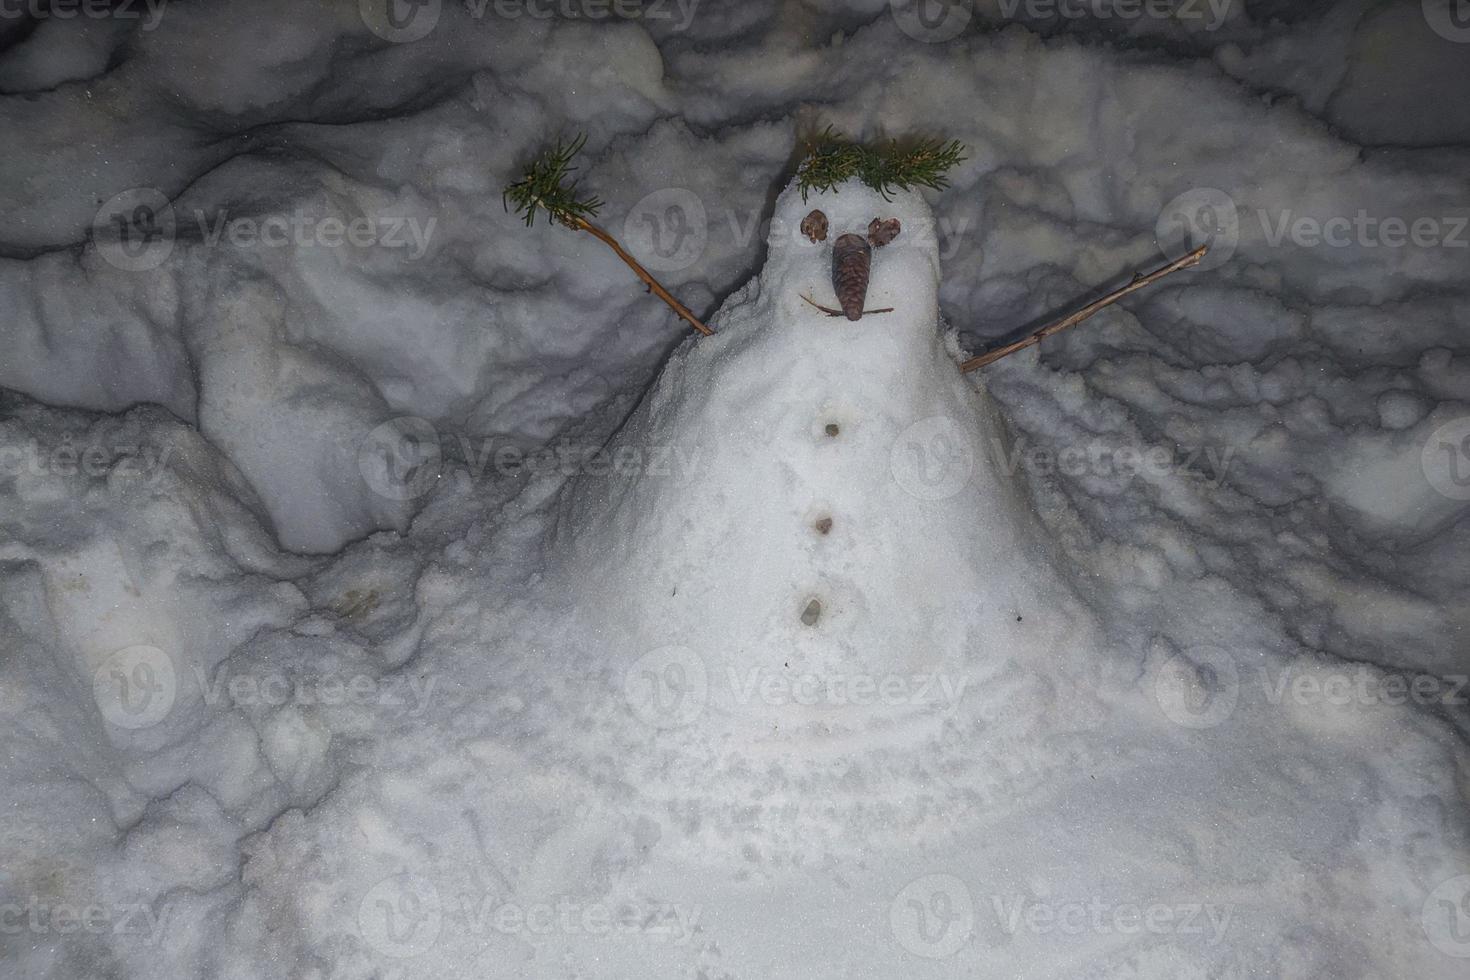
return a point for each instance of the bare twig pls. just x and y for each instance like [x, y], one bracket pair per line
[831, 312]
[653, 284]
[1139, 281]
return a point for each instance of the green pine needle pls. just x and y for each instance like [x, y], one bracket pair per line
[544, 186]
[891, 164]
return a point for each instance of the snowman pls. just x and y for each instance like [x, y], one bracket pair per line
[808, 533]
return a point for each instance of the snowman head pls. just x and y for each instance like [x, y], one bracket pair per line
[835, 234]
[851, 257]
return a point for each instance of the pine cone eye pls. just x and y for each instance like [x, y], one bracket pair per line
[881, 232]
[814, 226]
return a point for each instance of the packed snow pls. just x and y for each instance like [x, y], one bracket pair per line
[388, 590]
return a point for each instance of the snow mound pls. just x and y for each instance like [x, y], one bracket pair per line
[133, 562]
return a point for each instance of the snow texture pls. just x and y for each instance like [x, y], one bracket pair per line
[388, 590]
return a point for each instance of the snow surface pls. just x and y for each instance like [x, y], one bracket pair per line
[428, 604]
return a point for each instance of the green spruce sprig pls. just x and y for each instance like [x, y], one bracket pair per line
[544, 186]
[888, 165]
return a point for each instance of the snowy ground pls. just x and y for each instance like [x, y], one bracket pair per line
[389, 590]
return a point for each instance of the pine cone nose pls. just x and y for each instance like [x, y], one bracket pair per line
[851, 260]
